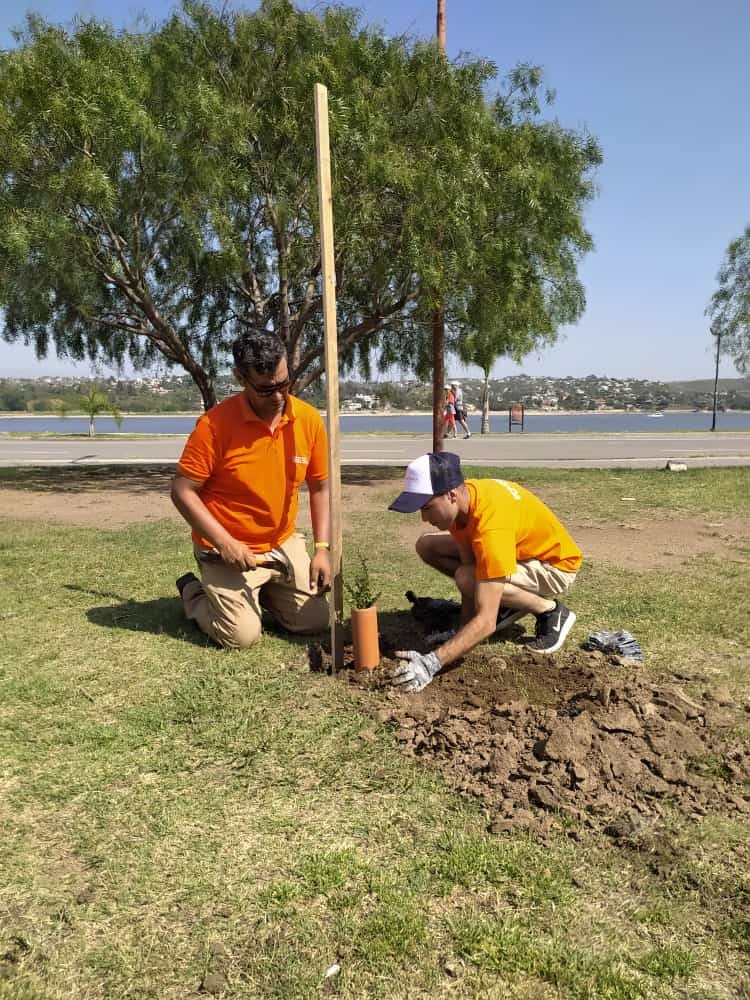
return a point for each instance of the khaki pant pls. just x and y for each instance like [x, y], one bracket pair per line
[541, 578]
[227, 604]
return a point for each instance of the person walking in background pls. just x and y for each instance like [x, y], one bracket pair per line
[458, 397]
[237, 486]
[507, 553]
[449, 413]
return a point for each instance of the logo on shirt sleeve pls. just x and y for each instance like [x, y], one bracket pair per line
[513, 492]
[301, 459]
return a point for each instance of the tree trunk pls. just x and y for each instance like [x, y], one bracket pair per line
[716, 379]
[179, 354]
[438, 378]
[205, 386]
[283, 332]
[486, 403]
[441, 32]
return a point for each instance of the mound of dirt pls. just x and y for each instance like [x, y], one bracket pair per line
[577, 739]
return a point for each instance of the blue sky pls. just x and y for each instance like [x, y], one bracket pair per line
[663, 85]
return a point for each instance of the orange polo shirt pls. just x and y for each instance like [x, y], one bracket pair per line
[507, 525]
[251, 475]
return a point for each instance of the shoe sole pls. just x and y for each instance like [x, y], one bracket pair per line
[191, 579]
[566, 627]
[510, 620]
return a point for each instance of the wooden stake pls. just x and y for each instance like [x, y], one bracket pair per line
[438, 317]
[325, 203]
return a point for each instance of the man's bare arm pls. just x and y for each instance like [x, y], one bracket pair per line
[468, 606]
[320, 511]
[320, 516]
[482, 625]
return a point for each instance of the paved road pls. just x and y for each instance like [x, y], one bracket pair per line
[642, 450]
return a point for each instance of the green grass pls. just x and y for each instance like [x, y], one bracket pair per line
[669, 963]
[598, 493]
[170, 810]
[510, 949]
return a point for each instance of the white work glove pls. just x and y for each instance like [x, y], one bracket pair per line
[414, 670]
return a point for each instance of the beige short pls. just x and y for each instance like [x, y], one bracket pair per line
[541, 578]
[227, 605]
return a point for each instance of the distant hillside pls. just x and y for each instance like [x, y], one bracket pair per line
[740, 385]
[598, 392]
[177, 393]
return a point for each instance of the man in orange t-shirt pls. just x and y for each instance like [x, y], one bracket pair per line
[507, 552]
[237, 487]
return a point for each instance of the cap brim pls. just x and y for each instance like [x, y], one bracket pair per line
[408, 503]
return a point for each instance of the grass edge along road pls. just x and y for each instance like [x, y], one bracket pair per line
[175, 815]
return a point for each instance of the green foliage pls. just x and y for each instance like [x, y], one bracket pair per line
[93, 403]
[392, 932]
[159, 190]
[360, 589]
[739, 933]
[472, 861]
[729, 308]
[323, 872]
[518, 299]
[669, 963]
[505, 946]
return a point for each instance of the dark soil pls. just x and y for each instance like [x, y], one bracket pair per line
[577, 739]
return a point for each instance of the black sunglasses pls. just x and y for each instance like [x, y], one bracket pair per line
[268, 390]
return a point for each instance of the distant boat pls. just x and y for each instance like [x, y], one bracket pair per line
[656, 414]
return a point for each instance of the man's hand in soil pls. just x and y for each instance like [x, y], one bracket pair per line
[320, 571]
[236, 555]
[414, 670]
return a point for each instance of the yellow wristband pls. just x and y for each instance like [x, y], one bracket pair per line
[322, 545]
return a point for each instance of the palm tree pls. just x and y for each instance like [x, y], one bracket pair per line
[96, 402]
[482, 348]
[483, 353]
[716, 333]
[498, 329]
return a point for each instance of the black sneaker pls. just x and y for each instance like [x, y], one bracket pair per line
[506, 617]
[185, 580]
[552, 628]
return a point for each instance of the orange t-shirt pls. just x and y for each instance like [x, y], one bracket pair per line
[251, 475]
[507, 525]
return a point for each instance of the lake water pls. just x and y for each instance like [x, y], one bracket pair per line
[413, 423]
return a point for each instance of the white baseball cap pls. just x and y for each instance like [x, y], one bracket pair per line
[426, 477]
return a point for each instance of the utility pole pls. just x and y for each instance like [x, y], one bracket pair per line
[438, 317]
[717, 334]
[441, 25]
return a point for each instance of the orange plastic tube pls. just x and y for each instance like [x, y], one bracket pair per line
[365, 638]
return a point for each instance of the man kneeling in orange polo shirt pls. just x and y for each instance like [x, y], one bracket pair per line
[236, 486]
[506, 551]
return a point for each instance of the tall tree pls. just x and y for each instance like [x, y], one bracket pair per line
[527, 287]
[158, 194]
[729, 308]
